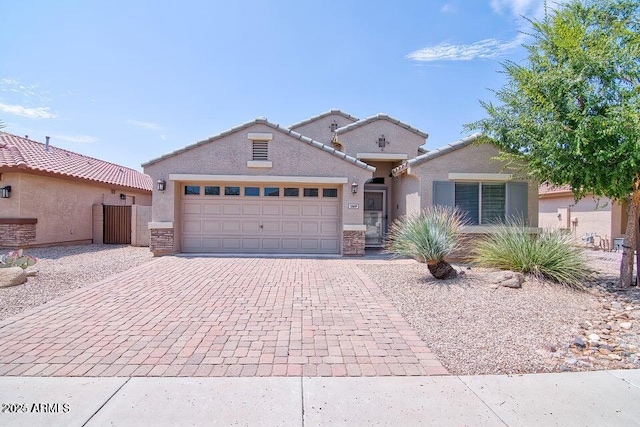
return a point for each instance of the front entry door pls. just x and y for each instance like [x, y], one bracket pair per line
[374, 217]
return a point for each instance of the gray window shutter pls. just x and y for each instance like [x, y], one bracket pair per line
[443, 193]
[518, 201]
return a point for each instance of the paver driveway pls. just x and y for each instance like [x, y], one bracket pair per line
[179, 316]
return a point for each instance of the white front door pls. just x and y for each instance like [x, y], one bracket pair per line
[375, 217]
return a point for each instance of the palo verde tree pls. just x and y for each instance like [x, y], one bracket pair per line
[571, 110]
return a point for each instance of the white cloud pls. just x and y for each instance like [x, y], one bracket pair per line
[449, 8]
[483, 49]
[81, 139]
[29, 112]
[145, 125]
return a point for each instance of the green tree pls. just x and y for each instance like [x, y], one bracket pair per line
[572, 108]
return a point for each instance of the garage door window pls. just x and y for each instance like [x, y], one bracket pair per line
[291, 192]
[272, 192]
[329, 192]
[231, 191]
[310, 192]
[211, 190]
[192, 190]
[252, 191]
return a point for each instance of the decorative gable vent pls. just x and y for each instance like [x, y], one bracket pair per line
[382, 141]
[260, 150]
[334, 126]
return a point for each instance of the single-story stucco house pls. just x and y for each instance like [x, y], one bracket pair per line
[54, 196]
[593, 221]
[329, 184]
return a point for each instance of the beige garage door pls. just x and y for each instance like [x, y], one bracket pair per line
[260, 219]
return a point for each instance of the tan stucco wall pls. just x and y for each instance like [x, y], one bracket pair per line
[63, 207]
[598, 216]
[229, 155]
[469, 159]
[364, 139]
[320, 129]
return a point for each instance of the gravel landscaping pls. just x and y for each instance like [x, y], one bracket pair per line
[475, 327]
[62, 269]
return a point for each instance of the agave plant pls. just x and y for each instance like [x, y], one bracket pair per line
[16, 259]
[428, 237]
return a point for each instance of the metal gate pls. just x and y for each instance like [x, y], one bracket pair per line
[117, 224]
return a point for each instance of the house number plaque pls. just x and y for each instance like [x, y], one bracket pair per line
[353, 206]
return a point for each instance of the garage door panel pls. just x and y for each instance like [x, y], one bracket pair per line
[251, 226]
[271, 226]
[231, 209]
[260, 224]
[291, 244]
[290, 227]
[211, 244]
[290, 210]
[192, 208]
[211, 209]
[310, 210]
[210, 226]
[251, 244]
[309, 227]
[191, 226]
[231, 243]
[231, 225]
[271, 244]
[271, 209]
[251, 209]
[328, 227]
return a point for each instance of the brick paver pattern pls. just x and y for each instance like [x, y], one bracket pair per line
[207, 317]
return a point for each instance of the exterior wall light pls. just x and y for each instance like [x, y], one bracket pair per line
[354, 188]
[123, 196]
[161, 185]
[5, 192]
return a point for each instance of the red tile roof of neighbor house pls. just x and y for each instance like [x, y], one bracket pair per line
[25, 154]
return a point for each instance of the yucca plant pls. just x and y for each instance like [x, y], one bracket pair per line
[552, 254]
[428, 237]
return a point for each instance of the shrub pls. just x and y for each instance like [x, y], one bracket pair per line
[428, 237]
[552, 254]
[16, 259]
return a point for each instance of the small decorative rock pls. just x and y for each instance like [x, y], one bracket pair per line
[12, 276]
[616, 305]
[594, 337]
[508, 279]
[579, 342]
[625, 325]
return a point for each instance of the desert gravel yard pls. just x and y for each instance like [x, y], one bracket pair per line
[62, 269]
[476, 328]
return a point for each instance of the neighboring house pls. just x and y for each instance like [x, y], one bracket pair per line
[55, 196]
[593, 221]
[329, 184]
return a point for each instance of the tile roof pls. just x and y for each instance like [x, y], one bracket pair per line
[321, 115]
[380, 116]
[435, 153]
[552, 190]
[25, 154]
[287, 131]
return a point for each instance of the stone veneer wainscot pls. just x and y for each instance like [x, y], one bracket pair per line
[17, 232]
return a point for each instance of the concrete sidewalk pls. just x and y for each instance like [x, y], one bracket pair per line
[581, 399]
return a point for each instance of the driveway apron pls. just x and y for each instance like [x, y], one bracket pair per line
[180, 316]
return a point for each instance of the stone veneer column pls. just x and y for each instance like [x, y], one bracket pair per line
[17, 232]
[353, 240]
[161, 239]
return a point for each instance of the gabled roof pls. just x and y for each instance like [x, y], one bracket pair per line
[26, 155]
[263, 121]
[436, 153]
[380, 116]
[322, 115]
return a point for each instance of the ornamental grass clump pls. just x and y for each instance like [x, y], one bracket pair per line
[551, 255]
[428, 237]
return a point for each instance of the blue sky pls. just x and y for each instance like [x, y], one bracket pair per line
[128, 81]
